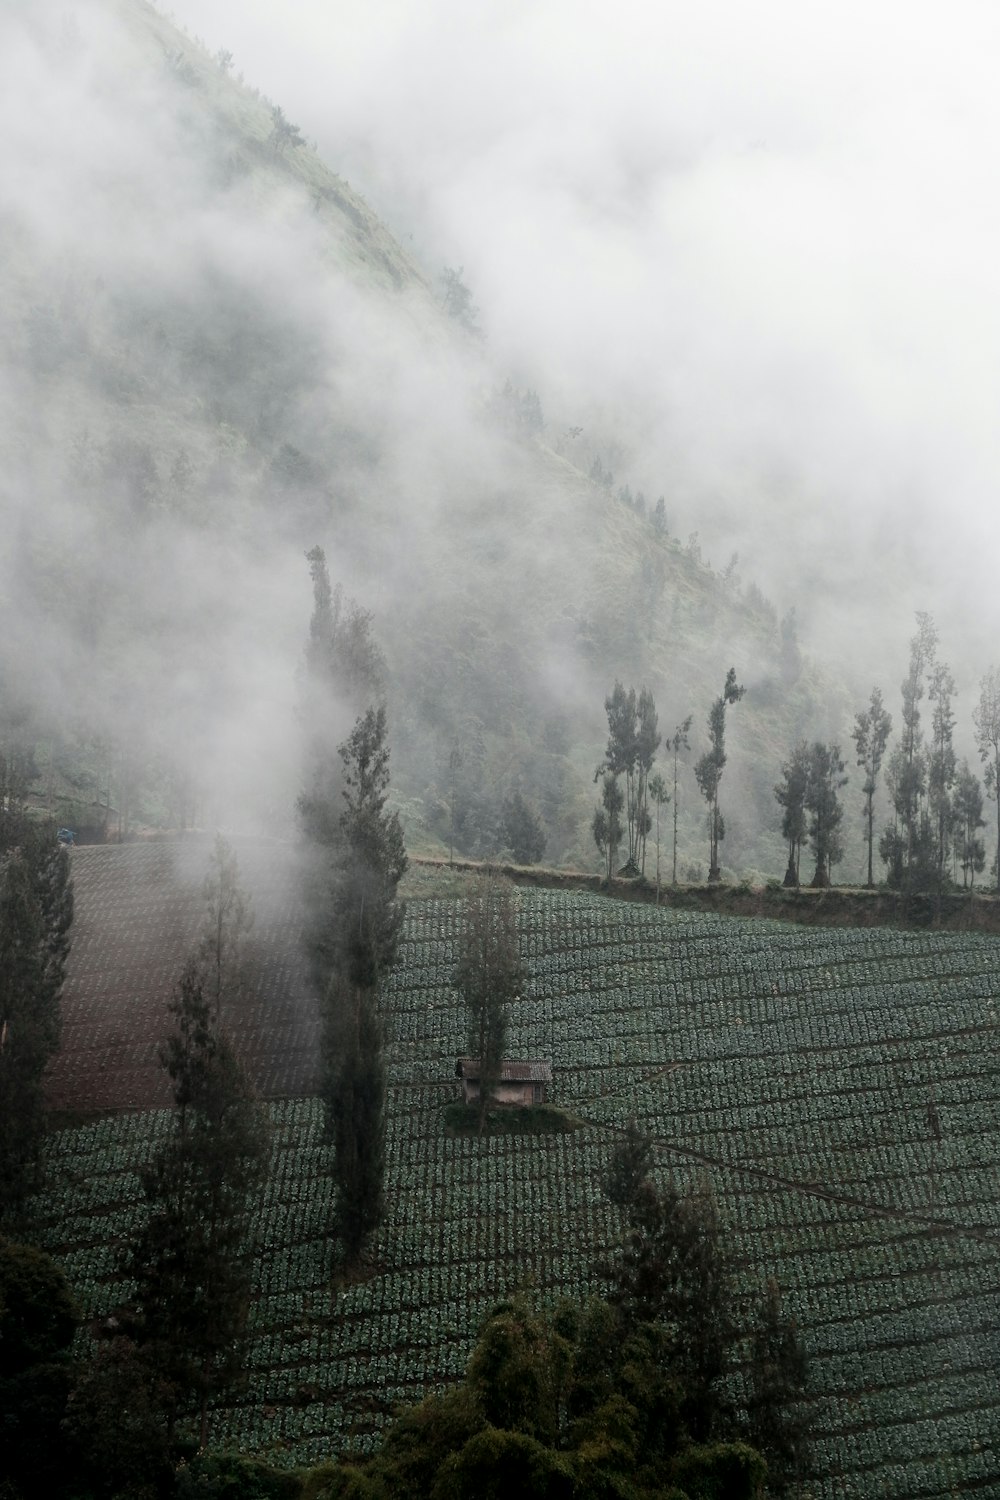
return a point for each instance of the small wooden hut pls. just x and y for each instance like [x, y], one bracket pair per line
[521, 1083]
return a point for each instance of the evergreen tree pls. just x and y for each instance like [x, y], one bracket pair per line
[778, 1378]
[942, 765]
[628, 1167]
[522, 831]
[191, 1262]
[647, 741]
[872, 727]
[353, 916]
[361, 941]
[607, 825]
[673, 1273]
[678, 742]
[987, 725]
[791, 795]
[633, 739]
[657, 789]
[36, 910]
[372, 860]
[710, 767]
[620, 759]
[824, 780]
[356, 1102]
[967, 815]
[907, 775]
[489, 974]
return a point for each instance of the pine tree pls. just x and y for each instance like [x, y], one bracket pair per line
[191, 1262]
[353, 916]
[365, 921]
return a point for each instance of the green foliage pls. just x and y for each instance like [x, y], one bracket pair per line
[355, 1112]
[779, 1375]
[353, 917]
[798, 1057]
[510, 1119]
[791, 796]
[824, 779]
[673, 1274]
[721, 1471]
[231, 1476]
[872, 727]
[494, 1465]
[115, 1420]
[191, 1261]
[36, 910]
[373, 858]
[522, 831]
[708, 770]
[628, 1166]
[38, 1315]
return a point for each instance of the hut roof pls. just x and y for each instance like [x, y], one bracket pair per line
[510, 1072]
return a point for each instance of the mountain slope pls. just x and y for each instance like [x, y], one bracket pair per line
[217, 356]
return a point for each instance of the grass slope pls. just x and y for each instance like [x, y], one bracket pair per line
[839, 1087]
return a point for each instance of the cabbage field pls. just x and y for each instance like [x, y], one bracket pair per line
[839, 1087]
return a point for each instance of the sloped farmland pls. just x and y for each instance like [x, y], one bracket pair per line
[138, 910]
[838, 1087]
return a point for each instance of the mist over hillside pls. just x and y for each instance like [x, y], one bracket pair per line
[216, 355]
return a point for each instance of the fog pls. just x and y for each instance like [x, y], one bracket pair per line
[746, 262]
[755, 247]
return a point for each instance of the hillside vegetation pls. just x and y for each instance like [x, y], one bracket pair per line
[216, 357]
[836, 1087]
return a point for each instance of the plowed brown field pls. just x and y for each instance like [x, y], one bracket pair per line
[137, 917]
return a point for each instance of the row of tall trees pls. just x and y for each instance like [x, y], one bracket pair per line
[629, 786]
[355, 859]
[936, 801]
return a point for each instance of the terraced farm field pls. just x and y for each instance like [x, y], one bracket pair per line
[839, 1086]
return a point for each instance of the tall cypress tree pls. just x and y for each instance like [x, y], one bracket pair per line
[366, 918]
[355, 861]
[872, 727]
[710, 767]
[191, 1262]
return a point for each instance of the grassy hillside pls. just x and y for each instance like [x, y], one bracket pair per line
[838, 1087]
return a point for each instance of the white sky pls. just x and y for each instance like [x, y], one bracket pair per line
[763, 239]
